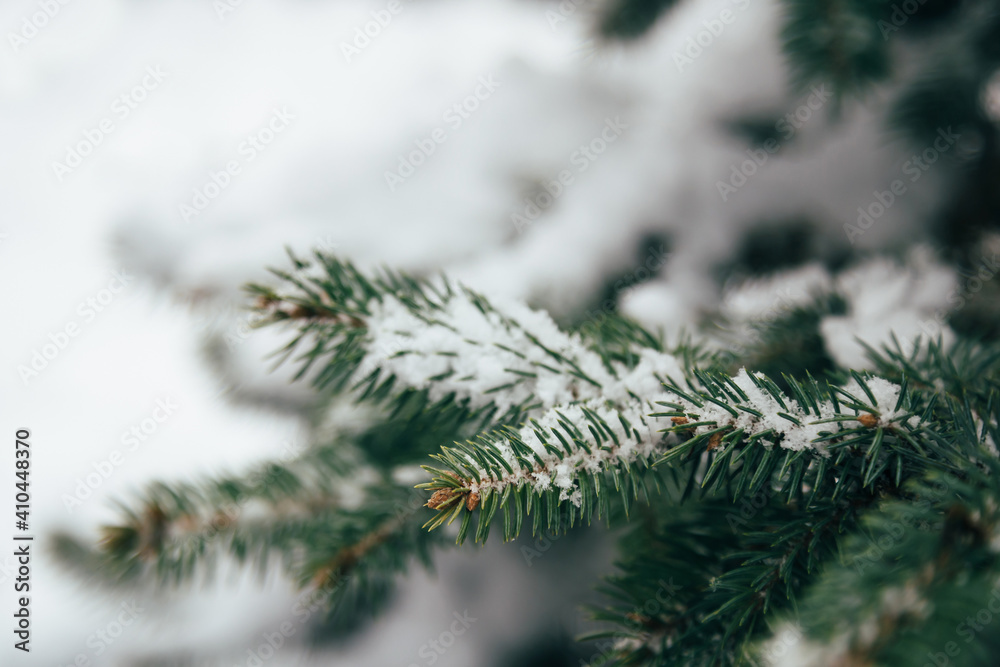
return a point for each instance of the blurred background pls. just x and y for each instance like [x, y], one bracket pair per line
[703, 166]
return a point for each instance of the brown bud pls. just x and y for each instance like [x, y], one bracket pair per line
[440, 497]
[152, 532]
[264, 302]
[221, 521]
[638, 618]
[472, 501]
[301, 312]
[714, 441]
[679, 420]
[868, 420]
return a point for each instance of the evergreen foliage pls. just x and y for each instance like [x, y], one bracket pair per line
[773, 503]
[756, 499]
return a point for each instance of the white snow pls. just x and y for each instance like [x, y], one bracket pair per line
[885, 297]
[481, 351]
[561, 473]
[800, 434]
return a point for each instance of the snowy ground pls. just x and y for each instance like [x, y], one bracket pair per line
[168, 202]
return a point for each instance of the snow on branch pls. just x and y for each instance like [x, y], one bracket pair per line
[569, 450]
[753, 406]
[441, 337]
[565, 416]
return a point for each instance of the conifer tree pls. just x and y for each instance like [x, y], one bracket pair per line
[775, 507]
[859, 508]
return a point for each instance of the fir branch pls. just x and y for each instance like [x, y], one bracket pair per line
[333, 551]
[753, 406]
[206, 508]
[910, 582]
[561, 457]
[691, 592]
[565, 427]
[746, 418]
[388, 334]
